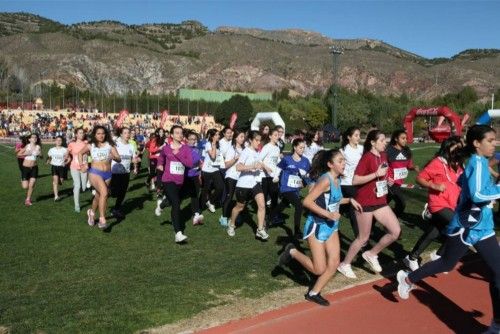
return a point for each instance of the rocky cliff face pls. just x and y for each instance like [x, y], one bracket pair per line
[114, 57]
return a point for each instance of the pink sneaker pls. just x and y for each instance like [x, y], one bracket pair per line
[27, 202]
[90, 217]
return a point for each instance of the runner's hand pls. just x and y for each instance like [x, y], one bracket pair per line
[333, 216]
[439, 187]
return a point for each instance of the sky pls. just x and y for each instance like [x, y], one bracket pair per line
[428, 28]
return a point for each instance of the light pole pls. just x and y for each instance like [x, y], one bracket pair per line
[335, 52]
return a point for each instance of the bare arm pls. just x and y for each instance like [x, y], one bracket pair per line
[317, 190]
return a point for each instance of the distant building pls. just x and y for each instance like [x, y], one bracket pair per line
[219, 96]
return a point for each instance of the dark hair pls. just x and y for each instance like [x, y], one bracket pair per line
[395, 136]
[348, 133]
[455, 158]
[192, 133]
[38, 140]
[223, 132]
[476, 132]
[278, 127]
[267, 138]
[175, 127]
[319, 164]
[210, 134]
[107, 135]
[372, 135]
[63, 144]
[160, 140]
[78, 129]
[119, 131]
[296, 142]
[252, 134]
[24, 140]
[235, 135]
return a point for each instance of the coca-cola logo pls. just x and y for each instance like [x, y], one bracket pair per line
[427, 112]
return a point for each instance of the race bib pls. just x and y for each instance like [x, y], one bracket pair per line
[294, 181]
[176, 168]
[400, 173]
[381, 188]
[334, 207]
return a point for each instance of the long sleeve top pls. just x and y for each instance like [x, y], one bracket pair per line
[174, 165]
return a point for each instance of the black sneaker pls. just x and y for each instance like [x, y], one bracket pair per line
[286, 257]
[317, 299]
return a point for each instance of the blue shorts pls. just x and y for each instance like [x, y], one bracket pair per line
[105, 175]
[322, 231]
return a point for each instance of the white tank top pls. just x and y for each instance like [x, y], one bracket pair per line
[100, 153]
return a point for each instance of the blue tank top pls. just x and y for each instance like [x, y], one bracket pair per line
[329, 201]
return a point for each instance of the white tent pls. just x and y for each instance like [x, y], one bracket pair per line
[267, 116]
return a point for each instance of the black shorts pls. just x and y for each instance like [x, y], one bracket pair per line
[60, 171]
[371, 208]
[29, 173]
[245, 194]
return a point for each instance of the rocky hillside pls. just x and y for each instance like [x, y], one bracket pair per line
[115, 57]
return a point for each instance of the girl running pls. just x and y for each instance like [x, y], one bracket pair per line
[322, 223]
[249, 186]
[370, 177]
[31, 152]
[294, 168]
[78, 175]
[154, 146]
[102, 150]
[58, 159]
[472, 224]
[352, 152]
[173, 161]
[313, 145]
[270, 156]
[213, 162]
[232, 175]
[192, 185]
[23, 141]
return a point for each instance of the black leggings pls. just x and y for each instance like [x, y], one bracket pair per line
[453, 251]
[270, 190]
[173, 193]
[191, 189]
[216, 180]
[348, 209]
[152, 169]
[396, 194]
[228, 199]
[119, 186]
[438, 222]
[294, 199]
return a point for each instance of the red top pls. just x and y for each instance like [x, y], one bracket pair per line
[399, 163]
[366, 193]
[153, 148]
[439, 172]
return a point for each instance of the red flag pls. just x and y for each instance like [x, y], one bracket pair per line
[232, 120]
[164, 118]
[121, 118]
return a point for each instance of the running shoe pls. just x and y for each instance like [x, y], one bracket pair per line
[28, 202]
[493, 329]
[426, 214]
[318, 299]
[102, 226]
[410, 263]
[90, 217]
[180, 237]
[77, 209]
[210, 207]
[346, 270]
[223, 221]
[230, 230]
[158, 209]
[372, 261]
[57, 199]
[403, 287]
[433, 256]
[286, 257]
[198, 219]
[262, 234]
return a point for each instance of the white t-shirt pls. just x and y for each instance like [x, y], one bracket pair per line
[352, 156]
[127, 153]
[209, 165]
[248, 179]
[270, 156]
[57, 156]
[310, 151]
[224, 147]
[232, 173]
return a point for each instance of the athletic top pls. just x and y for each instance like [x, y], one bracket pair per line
[352, 156]
[209, 165]
[57, 156]
[100, 153]
[196, 157]
[248, 179]
[174, 165]
[473, 218]
[134, 144]
[127, 152]
[329, 200]
[270, 156]
[281, 145]
[311, 150]
[439, 172]
[224, 146]
[232, 173]
[293, 173]
[153, 148]
[399, 163]
[32, 152]
[74, 148]
[375, 191]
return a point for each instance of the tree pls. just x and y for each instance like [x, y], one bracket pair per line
[316, 113]
[239, 104]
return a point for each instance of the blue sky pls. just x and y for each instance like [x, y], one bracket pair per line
[427, 28]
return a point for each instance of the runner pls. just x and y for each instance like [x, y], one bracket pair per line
[249, 186]
[192, 185]
[140, 139]
[472, 224]
[270, 156]
[322, 223]
[370, 177]
[173, 161]
[294, 168]
[313, 145]
[281, 142]
[58, 158]
[213, 162]
[79, 176]
[102, 150]
[440, 177]
[232, 175]
[31, 152]
[154, 146]
[136, 161]
[23, 141]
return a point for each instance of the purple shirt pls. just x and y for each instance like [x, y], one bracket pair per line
[195, 154]
[174, 165]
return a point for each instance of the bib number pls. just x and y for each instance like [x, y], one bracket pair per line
[381, 188]
[400, 173]
[176, 168]
[294, 181]
[334, 207]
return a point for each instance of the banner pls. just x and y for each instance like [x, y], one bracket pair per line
[232, 120]
[121, 118]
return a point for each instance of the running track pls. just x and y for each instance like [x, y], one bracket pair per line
[458, 302]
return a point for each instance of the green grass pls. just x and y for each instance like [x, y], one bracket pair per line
[58, 275]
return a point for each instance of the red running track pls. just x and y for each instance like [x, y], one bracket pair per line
[458, 302]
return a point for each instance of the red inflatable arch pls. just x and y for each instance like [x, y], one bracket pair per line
[441, 131]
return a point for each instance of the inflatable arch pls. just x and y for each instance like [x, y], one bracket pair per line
[267, 116]
[487, 117]
[440, 132]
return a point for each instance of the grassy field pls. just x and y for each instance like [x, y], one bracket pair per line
[58, 275]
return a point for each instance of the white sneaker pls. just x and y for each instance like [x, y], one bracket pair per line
[411, 264]
[372, 261]
[403, 287]
[268, 203]
[426, 214]
[158, 209]
[153, 187]
[230, 230]
[262, 234]
[493, 329]
[433, 255]
[179, 237]
[346, 270]
[210, 207]
[94, 192]
[197, 219]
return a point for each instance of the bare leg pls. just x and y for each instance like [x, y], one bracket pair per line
[364, 220]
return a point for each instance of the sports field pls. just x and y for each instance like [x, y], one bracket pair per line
[60, 275]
